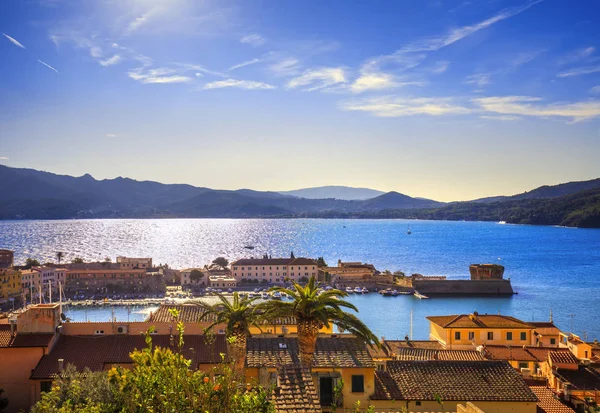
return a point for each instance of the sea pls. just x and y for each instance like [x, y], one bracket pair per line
[555, 270]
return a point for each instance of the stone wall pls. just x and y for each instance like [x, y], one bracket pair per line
[463, 287]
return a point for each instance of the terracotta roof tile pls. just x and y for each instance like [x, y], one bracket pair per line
[393, 345]
[562, 357]
[23, 339]
[541, 353]
[479, 321]
[340, 351]
[515, 353]
[296, 391]
[94, 352]
[405, 354]
[453, 380]
[545, 328]
[584, 378]
[547, 402]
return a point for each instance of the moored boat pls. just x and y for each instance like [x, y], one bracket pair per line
[419, 295]
[349, 290]
[358, 290]
[365, 290]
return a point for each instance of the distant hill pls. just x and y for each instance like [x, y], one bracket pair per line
[346, 193]
[32, 194]
[547, 191]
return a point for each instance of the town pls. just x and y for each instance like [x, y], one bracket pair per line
[472, 363]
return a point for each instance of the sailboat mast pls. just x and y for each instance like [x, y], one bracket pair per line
[50, 290]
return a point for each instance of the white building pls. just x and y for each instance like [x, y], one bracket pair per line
[273, 270]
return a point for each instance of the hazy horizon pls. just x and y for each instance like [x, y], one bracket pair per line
[446, 100]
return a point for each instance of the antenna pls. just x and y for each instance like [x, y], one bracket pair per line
[551, 320]
[572, 316]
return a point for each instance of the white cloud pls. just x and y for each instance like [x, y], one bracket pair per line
[317, 79]
[438, 42]
[378, 81]
[160, 75]
[141, 21]
[479, 79]
[3, 158]
[47, 65]
[391, 106]
[242, 84]
[110, 61]
[253, 39]
[13, 41]
[286, 67]
[595, 89]
[110, 135]
[577, 55]
[244, 64]
[531, 106]
[580, 71]
[440, 67]
[501, 117]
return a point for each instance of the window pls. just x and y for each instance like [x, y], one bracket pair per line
[457, 335]
[45, 386]
[358, 383]
[523, 336]
[522, 365]
[585, 355]
[417, 403]
[471, 335]
[553, 341]
[490, 335]
[509, 335]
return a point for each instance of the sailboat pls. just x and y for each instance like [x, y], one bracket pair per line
[408, 231]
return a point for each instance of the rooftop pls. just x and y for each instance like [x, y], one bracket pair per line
[341, 351]
[94, 352]
[297, 393]
[547, 402]
[452, 380]
[562, 357]
[394, 345]
[22, 339]
[545, 328]
[478, 321]
[429, 354]
[584, 378]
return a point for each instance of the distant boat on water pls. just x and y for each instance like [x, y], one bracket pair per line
[502, 222]
[249, 247]
[408, 231]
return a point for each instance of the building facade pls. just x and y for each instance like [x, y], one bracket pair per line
[111, 278]
[7, 258]
[10, 283]
[128, 263]
[273, 270]
[38, 283]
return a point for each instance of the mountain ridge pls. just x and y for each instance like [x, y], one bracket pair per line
[342, 192]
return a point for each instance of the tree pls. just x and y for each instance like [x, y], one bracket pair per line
[31, 262]
[196, 275]
[238, 316]
[3, 401]
[59, 256]
[321, 262]
[220, 263]
[313, 309]
[77, 260]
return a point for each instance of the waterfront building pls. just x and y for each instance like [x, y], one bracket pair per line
[110, 278]
[187, 281]
[350, 273]
[273, 270]
[37, 282]
[225, 280]
[472, 330]
[128, 263]
[10, 284]
[486, 271]
[7, 258]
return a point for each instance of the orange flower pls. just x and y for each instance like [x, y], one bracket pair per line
[206, 380]
[217, 387]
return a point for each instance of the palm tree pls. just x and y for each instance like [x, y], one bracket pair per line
[314, 309]
[59, 256]
[238, 315]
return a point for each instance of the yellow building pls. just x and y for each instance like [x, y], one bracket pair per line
[472, 330]
[343, 371]
[578, 347]
[434, 386]
[546, 334]
[10, 283]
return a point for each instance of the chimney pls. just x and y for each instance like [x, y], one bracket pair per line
[61, 364]
[12, 327]
[567, 391]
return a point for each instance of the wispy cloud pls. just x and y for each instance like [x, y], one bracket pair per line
[501, 117]
[438, 42]
[288, 66]
[580, 71]
[577, 55]
[110, 61]
[141, 21]
[440, 67]
[244, 64]
[253, 39]
[595, 89]
[316, 79]
[13, 40]
[391, 106]
[48, 66]
[532, 106]
[159, 75]
[3, 158]
[241, 84]
[110, 135]
[379, 81]
[479, 79]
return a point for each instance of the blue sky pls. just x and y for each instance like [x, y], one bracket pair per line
[451, 100]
